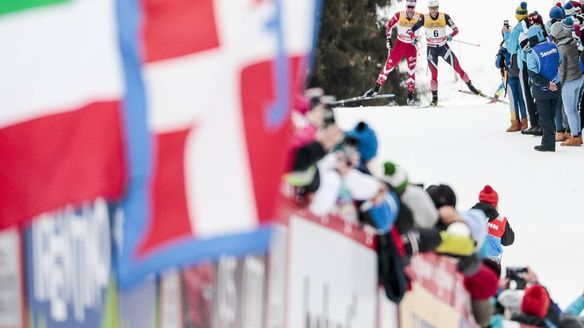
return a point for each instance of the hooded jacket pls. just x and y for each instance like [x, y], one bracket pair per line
[543, 62]
[569, 68]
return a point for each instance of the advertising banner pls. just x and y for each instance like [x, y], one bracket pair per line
[68, 254]
[230, 293]
[332, 275]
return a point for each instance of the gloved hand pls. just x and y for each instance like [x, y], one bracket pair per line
[411, 34]
[388, 44]
[449, 37]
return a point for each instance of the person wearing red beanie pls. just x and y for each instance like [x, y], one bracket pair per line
[535, 301]
[489, 195]
[499, 231]
[483, 284]
[534, 307]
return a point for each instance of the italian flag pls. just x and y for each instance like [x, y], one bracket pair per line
[61, 86]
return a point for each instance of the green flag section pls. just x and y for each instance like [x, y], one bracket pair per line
[10, 6]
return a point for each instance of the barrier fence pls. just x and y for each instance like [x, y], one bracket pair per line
[318, 272]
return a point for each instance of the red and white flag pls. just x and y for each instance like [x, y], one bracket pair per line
[220, 76]
[61, 86]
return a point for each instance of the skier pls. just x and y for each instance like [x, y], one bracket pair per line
[435, 25]
[404, 47]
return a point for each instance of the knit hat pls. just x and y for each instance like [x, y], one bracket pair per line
[483, 284]
[559, 32]
[568, 23]
[489, 195]
[535, 301]
[511, 299]
[366, 140]
[569, 9]
[442, 195]
[395, 176]
[424, 212]
[521, 12]
[410, 3]
[557, 13]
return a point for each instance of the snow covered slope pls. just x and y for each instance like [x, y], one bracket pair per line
[479, 22]
[464, 144]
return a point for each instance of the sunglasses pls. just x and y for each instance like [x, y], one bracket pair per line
[410, 7]
[433, 8]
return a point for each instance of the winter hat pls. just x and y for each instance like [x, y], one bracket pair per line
[521, 12]
[424, 212]
[568, 23]
[535, 18]
[489, 195]
[411, 3]
[511, 299]
[395, 176]
[557, 13]
[442, 195]
[535, 301]
[559, 32]
[569, 9]
[483, 284]
[367, 140]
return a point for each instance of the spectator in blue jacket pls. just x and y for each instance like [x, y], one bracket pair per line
[543, 61]
[366, 141]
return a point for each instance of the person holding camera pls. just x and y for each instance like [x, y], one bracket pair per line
[437, 39]
[404, 47]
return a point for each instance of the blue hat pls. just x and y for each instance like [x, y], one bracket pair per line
[557, 13]
[521, 12]
[535, 35]
[367, 140]
[568, 23]
[569, 9]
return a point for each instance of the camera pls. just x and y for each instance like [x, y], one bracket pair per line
[506, 23]
[515, 276]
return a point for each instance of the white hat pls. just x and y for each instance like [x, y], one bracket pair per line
[433, 3]
[410, 3]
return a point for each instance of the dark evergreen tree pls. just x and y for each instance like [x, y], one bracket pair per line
[351, 50]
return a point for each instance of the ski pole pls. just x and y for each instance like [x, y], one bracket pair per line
[470, 44]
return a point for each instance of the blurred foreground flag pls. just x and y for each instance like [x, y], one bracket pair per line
[61, 85]
[220, 78]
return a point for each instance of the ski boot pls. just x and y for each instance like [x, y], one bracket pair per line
[410, 98]
[434, 101]
[373, 91]
[473, 89]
